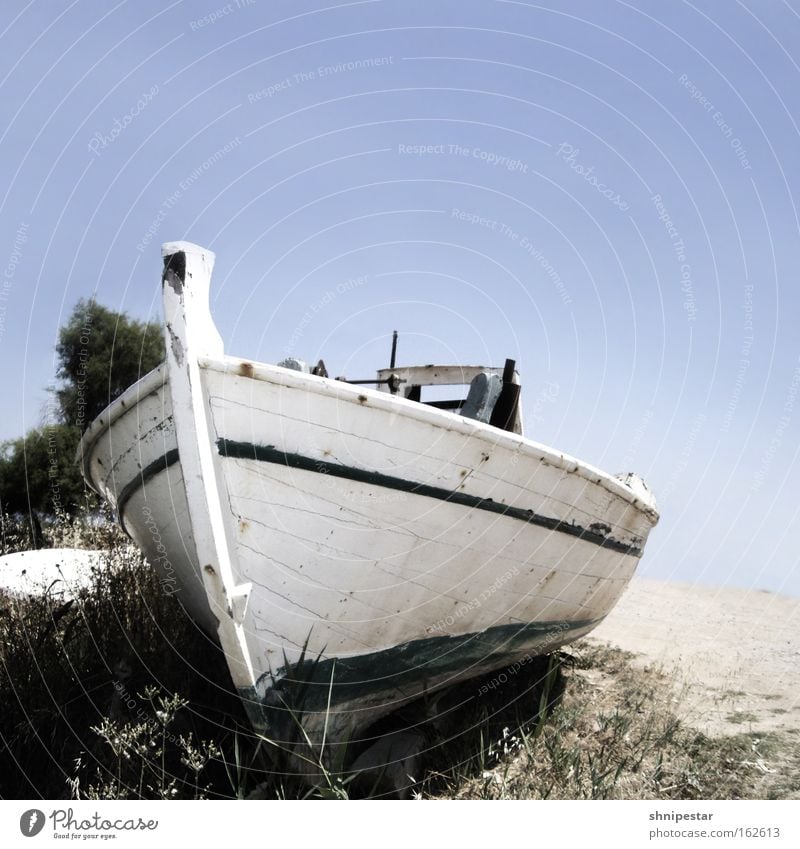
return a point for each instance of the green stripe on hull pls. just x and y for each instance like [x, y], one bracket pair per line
[270, 454]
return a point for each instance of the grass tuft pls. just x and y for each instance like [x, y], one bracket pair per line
[116, 694]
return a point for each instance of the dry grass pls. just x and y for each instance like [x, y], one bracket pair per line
[614, 735]
[79, 678]
[118, 695]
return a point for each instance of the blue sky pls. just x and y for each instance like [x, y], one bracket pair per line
[604, 191]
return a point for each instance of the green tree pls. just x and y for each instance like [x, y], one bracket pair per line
[100, 354]
[38, 472]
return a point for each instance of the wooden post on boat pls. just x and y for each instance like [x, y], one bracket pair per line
[190, 334]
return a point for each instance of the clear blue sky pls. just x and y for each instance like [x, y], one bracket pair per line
[605, 191]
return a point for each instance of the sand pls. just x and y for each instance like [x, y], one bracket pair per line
[733, 655]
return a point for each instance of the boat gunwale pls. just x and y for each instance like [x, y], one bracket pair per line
[292, 379]
[147, 385]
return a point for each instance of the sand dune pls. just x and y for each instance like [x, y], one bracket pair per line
[735, 652]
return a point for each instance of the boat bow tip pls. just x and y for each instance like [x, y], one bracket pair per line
[170, 248]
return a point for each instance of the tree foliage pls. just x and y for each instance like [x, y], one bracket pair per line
[38, 472]
[100, 354]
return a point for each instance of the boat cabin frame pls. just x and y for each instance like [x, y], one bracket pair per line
[408, 381]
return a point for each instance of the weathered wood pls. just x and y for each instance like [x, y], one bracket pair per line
[190, 334]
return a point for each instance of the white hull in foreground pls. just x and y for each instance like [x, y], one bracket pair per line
[351, 549]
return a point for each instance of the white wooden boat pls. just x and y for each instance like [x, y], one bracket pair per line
[353, 548]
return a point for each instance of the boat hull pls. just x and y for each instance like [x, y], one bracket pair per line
[389, 549]
[351, 550]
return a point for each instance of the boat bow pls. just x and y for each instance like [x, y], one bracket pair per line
[189, 335]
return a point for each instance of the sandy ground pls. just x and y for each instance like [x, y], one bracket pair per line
[733, 654]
